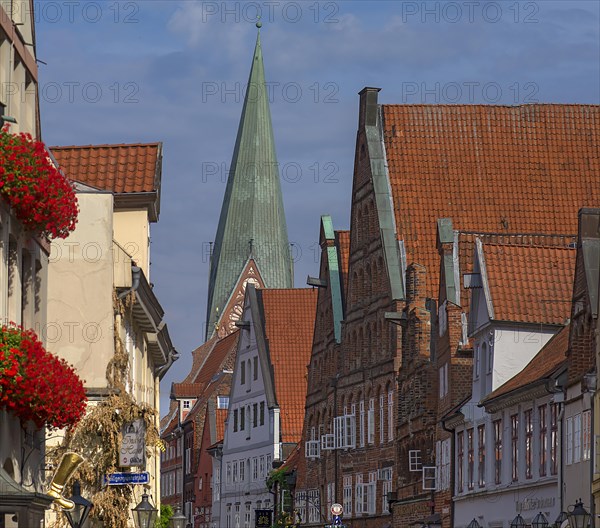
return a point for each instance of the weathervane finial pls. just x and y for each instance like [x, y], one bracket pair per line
[258, 23]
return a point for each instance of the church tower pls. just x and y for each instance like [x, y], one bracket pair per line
[251, 244]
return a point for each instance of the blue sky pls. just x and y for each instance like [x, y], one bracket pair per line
[174, 71]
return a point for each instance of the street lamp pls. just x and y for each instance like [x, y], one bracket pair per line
[78, 515]
[144, 513]
[539, 521]
[518, 522]
[474, 524]
[579, 517]
[178, 520]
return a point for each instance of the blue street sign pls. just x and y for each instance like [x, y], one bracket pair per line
[120, 479]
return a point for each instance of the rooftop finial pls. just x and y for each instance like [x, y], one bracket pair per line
[258, 23]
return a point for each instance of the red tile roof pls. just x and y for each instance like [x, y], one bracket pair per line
[289, 326]
[544, 363]
[530, 284]
[490, 168]
[186, 390]
[343, 244]
[118, 168]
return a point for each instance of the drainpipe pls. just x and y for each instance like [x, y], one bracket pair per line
[136, 274]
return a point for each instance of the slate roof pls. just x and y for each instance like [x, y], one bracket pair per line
[289, 317]
[490, 168]
[542, 366]
[133, 168]
[530, 284]
[252, 220]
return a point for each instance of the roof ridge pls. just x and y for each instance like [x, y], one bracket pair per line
[105, 145]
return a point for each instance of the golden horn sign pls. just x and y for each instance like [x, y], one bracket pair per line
[69, 463]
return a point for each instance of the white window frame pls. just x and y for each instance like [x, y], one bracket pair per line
[414, 460]
[577, 438]
[359, 493]
[371, 422]
[327, 442]
[371, 494]
[344, 431]
[569, 440]
[347, 502]
[362, 423]
[314, 506]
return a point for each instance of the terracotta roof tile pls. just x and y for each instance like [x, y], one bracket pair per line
[221, 416]
[186, 390]
[489, 168]
[530, 284]
[289, 326]
[544, 363]
[117, 168]
[343, 245]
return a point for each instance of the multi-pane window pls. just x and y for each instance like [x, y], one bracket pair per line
[242, 471]
[235, 420]
[514, 440]
[222, 402]
[543, 439]
[255, 468]
[262, 413]
[498, 451]
[314, 506]
[470, 459]
[255, 370]
[577, 438]
[587, 435]
[347, 496]
[553, 439]
[442, 463]
[569, 439]
[344, 430]
[528, 443]
[359, 493]
[237, 516]
[371, 422]
[481, 455]
[262, 466]
[381, 421]
[247, 515]
[390, 416]
[460, 455]
[243, 372]
[371, 488]
[386, 488]
[300, 504]
[242, 418]
[228, 478]
[362, 423]
[235, 471]
[330, 495]
[254, 414]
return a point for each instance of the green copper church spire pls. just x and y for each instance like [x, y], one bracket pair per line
[252, 221]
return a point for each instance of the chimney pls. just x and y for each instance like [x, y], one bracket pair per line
[368, 107]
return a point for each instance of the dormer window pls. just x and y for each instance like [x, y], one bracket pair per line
[186, 405]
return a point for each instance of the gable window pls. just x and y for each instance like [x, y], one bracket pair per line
[186, 404]
[255, 370]
[222, 402]
[514, 435]
[242, 372]
[543, 439]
